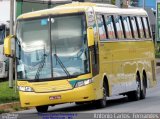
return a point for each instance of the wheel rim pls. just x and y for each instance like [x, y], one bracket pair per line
[138, 90]
[144, 87]
[104, 96]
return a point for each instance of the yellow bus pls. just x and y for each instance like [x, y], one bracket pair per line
[82, 53]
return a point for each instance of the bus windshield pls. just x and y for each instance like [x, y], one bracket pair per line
[53, 47]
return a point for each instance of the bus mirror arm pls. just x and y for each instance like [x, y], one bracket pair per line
[90, 36]
[18, 52]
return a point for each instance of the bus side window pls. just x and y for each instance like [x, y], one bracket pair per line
[119, 28]
[145, 27]
[134, 27]
[140, 27]
[127, 28]
[101, 28]
[149, 28]
[110, 27]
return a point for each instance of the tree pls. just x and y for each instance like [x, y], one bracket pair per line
[113, 2]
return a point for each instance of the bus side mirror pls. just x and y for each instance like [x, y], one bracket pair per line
[90, 36]
[8, 46]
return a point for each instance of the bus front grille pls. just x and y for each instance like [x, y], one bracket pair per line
[54, 86]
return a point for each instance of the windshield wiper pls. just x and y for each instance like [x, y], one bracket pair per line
[62, 65]
[41, 65]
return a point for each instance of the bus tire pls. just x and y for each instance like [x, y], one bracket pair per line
[42, 108]
[101, 103]
[79, 103]
[135, 95]
[143, 91]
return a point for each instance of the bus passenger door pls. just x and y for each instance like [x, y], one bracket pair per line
[94, 52]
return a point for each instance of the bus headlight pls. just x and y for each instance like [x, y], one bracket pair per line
[83, 83]
[25, 89]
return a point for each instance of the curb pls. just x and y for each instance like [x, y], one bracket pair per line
[13, 107]
[9, 105]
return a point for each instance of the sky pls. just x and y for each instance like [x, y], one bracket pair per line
[4, 10]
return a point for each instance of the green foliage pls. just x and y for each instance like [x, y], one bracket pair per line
[16, 108]
[7, 94]
[113, 2]
[3, 111]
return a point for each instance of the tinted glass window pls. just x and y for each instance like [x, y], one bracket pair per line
[134, 27]
[141, 32]
[69, 46]
[146, 27]
[149, 28]
[34, 61]
[101, 28]
[110, 27]
[119, 28]
[127, 27]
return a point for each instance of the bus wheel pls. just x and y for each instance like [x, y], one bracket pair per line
[143, 91]
[102, 102]
[135, 95]
[79, 103]
[42, 108]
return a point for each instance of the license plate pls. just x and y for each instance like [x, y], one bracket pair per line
[55, 97]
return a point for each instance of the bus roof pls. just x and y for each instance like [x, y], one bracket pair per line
[121, 11]
[82, 7]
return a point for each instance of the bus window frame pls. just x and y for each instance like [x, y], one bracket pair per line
[132, 31]
[140, 37]
[144, 29]
[102, 22]
[128, 22]
[149, 27]
[130, 19]
[115, 31]
[121, 27]
[105, 27]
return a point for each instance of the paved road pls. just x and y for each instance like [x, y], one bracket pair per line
[117, 104]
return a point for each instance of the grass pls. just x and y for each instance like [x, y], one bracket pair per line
[7, 94]
[157, 50]
[157, 54]
[3, 111]
[16, 108]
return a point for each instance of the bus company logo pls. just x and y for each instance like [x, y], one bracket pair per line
[55, 97]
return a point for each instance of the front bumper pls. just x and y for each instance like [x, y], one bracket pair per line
[80, 94]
